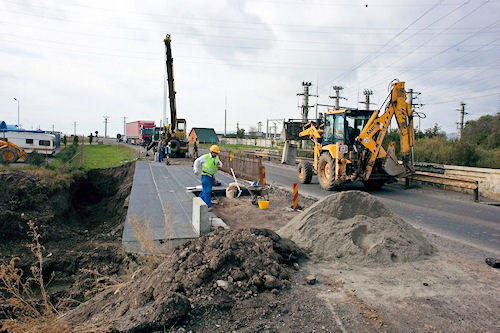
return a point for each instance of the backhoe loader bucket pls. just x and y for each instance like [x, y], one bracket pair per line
[391, 165]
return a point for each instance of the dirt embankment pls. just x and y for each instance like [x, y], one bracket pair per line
[80, 221]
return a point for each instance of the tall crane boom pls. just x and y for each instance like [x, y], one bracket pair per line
[174, 132]
[170, 81]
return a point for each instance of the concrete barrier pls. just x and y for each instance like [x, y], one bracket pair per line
[200, 220]
[488, 179]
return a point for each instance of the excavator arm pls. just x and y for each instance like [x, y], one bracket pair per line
[170, 80]
[311, 131]
[375, 130]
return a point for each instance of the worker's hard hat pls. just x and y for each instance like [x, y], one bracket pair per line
[215, 149]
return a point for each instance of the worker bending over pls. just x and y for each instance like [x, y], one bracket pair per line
[208, 165]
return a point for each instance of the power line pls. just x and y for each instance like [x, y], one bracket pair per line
[182, 59]
[364, 60]
[437, 34]
[454, 100]
[209, 21]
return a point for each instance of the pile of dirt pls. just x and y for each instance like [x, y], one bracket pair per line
[219, 269]
[354, 227]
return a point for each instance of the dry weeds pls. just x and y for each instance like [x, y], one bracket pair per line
[27, 296]
[52, 179]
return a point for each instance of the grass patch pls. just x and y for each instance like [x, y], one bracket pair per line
[105, 156]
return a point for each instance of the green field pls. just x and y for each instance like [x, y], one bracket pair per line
[106, 156]
[98, 156]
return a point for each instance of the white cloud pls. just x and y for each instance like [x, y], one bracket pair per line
[81, 60]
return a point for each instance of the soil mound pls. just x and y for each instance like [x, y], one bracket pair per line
[354, 227]
[218, 269]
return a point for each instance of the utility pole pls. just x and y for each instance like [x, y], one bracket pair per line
[74, 127]
[17, 100]
[305, 106]
[337, 97]
[305, 100]
[259, 126]
[461, 123]
[105, 126]
[413, 95]
[124, 122]
[225, 114]
[269, 129]
[367, 93]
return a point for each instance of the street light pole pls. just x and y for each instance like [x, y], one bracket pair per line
[17, 100]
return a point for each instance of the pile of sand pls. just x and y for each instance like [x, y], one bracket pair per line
[219, 268]
[356, 228]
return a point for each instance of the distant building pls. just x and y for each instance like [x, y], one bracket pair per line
[203, 135]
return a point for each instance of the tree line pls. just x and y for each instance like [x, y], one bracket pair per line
[479, 145]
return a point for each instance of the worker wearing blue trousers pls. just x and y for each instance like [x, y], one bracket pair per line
[207, 164]
[161, 151]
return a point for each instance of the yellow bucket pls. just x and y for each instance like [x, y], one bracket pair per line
[263, 204]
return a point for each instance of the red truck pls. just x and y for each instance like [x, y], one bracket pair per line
[139, 132]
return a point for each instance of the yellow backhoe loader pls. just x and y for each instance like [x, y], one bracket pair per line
[348, 145]
[10, 153]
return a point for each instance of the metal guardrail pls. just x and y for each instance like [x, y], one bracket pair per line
[438, 178]
[248, 168]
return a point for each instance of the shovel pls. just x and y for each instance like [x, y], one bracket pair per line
[236, 181]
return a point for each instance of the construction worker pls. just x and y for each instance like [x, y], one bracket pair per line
[207, 164]
[168, 152]
[161, 151]
[195, 149]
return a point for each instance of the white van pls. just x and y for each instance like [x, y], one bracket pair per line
[31, 141]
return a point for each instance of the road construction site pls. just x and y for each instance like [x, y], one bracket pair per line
[344, 261]
[134, 249]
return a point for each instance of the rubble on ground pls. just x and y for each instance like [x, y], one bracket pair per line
[356, 228]
[226, 264]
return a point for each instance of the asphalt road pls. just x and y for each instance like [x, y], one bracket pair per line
[454, 216]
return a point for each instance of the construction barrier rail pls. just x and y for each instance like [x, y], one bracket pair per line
[437, 178]
[274, 156]
[248, 167]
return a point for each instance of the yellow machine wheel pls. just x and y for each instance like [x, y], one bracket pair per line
[8, 155]
[305, 172]
[326, 172]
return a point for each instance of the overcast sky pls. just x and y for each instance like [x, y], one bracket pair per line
[77, 61]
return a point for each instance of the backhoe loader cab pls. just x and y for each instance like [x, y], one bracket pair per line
[343, 126]
[348, 145]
